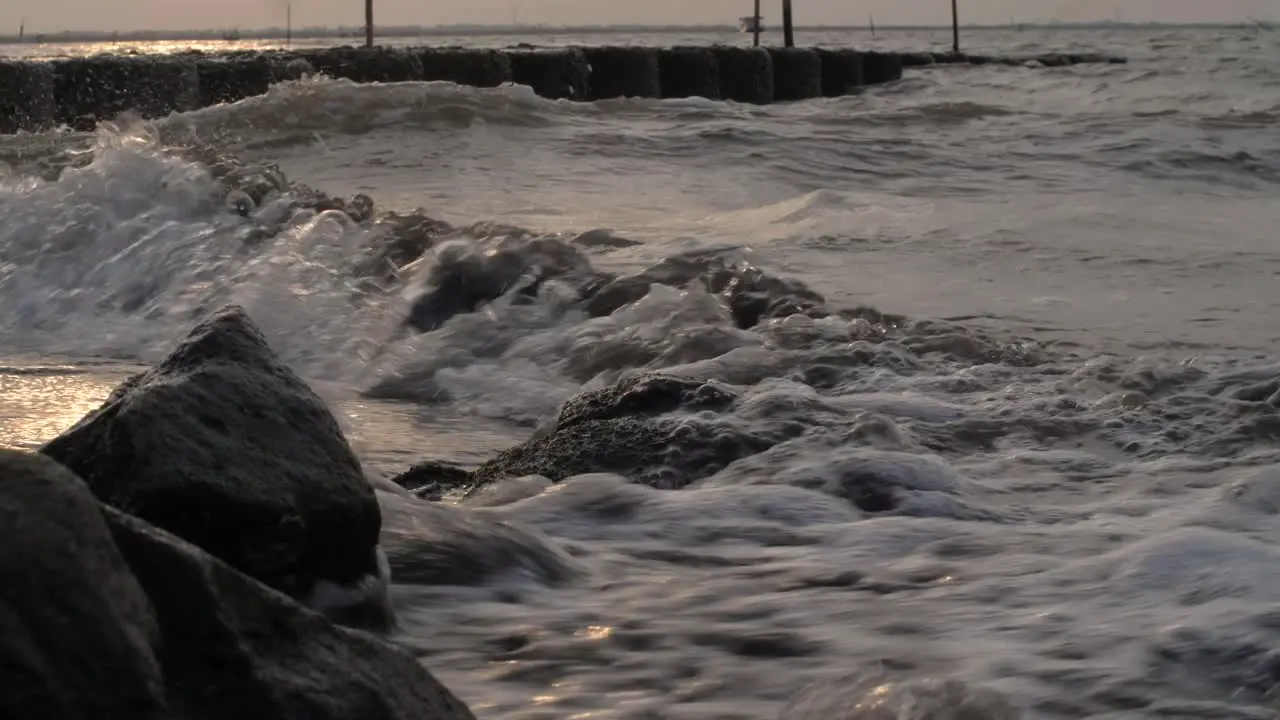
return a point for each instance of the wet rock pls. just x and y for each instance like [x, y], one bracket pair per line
[645, 396]
[239, 202]
[398, 240]
[648, 429]
[462, 279]
[222, 445]
[234, 648]
[360, 207]
[78, 640]
[751, 295]
[431, 478]
[600, 238]
[439, 544]
[259, 183]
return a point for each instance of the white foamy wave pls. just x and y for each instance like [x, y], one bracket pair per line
[968, 521]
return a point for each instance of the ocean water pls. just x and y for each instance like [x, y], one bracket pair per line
[1077, 420]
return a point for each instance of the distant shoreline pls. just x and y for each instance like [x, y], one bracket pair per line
[357, 32]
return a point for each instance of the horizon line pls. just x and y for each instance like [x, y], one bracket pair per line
[402, 31]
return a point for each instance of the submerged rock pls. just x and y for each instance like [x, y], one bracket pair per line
[441, 544]
[222, 445]
[236, 649]
[649, 429]
[463, 280]
[751, 295]
[430, 478]
[77, 637]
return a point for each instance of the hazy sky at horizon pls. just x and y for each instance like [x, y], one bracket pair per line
[54, 15]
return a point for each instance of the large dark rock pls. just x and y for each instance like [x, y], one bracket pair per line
[222, 445]
[236, 649]
[651, 429]
[78, 640]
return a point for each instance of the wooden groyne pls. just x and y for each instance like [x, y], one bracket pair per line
[79, 92]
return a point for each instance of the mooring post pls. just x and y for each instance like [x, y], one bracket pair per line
[955, 26]
[788, 32]
[368, 23]
[756, 29]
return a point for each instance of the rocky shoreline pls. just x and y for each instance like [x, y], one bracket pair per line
[214, 554]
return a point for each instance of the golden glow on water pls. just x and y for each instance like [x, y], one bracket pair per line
[37, 403]
[596, 632]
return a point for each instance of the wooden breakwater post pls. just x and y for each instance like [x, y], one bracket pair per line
[755, 25]
[366, 64]
[841, 71]
[90, 89]
[368, 23]
[746, 74]
[562, 74]
[788, 27]
[80, 92]
[618, 72]
[797, 74]
[688, 72]
[955, 26]
[233, 77]
[26, 97]
[473, 67]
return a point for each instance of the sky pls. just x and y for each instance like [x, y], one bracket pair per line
[54, 15]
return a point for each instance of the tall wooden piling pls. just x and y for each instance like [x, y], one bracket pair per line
[755, 30]
[788, 29]
[368, 23]
[955, 26]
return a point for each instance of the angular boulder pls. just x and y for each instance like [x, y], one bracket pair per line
[656, 430]
[223, 446]
[78, 640]
[237, 649]
[751, 295]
